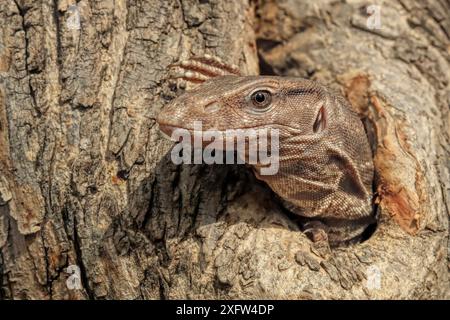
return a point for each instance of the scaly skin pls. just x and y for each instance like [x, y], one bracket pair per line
[325, 162]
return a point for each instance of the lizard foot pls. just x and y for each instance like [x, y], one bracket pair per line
[316, 231]
[202, 68]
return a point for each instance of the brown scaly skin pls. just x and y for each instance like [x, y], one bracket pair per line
[326, 167]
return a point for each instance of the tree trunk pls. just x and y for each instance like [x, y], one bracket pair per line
[87, 184]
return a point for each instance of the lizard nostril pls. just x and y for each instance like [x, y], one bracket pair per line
[212, 107]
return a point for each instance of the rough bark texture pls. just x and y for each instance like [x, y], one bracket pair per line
[86, 179]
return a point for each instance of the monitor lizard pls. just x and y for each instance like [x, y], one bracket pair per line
[325, 161]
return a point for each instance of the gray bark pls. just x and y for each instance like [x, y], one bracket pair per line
[86, 178]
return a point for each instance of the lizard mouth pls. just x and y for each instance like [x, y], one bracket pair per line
[167, 131]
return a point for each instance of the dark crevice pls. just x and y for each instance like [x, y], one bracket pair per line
[195, 213]
[265, 69]
[194, 216]
[369, 231]
[266, 44]
[175, 183]
[124, 143]
[369, 129]
[56, 16]
[47, 266]
[148, 213]
[123, 174]
[5, 281]
[160, 248]
[221, 288]
[80, 263]
[162, 295]
[23, 11]
[164, 262]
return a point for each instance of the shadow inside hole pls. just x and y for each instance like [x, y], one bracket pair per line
[369, 129]
[368, 232]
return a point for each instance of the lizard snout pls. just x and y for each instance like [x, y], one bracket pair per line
[167, 122]
[167, 131]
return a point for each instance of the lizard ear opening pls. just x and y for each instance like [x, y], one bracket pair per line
[321, 120]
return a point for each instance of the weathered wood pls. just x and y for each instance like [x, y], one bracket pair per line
[86, 179]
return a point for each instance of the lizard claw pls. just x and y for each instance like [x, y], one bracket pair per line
[217, 63]
[190, 76]
[199, 69]
[316, 231]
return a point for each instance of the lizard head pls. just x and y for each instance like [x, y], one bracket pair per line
[324, 155]
[230, 102]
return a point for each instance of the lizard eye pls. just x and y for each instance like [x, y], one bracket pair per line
[261, 98]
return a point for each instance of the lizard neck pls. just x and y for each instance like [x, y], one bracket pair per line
[319, 179]
[346, 216]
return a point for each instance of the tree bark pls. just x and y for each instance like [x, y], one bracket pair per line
[86, 179]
